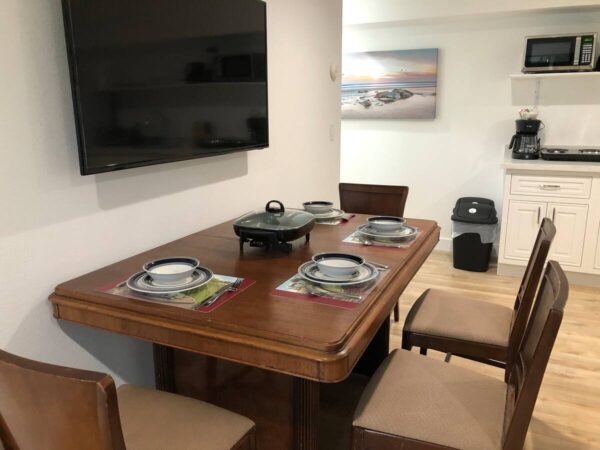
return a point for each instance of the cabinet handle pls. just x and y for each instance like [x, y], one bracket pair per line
[550, 187]
[553, 214]
[539, 214]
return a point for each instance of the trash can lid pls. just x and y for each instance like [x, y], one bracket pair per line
[474, 210]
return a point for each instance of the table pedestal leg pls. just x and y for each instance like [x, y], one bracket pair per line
[163, 368]
[376, 352]
[306, 414]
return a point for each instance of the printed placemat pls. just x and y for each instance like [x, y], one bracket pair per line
[298, 288]
[357, 239]
[191, 300]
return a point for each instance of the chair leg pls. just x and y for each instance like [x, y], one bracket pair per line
[423, 351]
[406, 345]
[396, 313]
[447, 358]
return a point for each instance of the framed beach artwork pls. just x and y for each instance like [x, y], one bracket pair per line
[395, 84]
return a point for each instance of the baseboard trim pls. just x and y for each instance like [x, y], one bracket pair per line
[576, 278]
[444, 245]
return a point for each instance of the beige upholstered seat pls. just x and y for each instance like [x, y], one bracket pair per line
[441, 313]
[427, 400]
[155, 420]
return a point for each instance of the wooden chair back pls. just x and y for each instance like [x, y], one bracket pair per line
[528, 371]
[373, 199]
[528, 287]
[56, 408]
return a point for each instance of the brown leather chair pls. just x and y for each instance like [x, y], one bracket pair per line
[414, 402]
[377, 200]
[49, 407]
[474, 329]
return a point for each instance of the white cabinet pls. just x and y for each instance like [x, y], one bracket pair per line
[570, 222]
[523, 223]
[566, 192]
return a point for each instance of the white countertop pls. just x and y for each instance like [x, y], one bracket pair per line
[548, 166]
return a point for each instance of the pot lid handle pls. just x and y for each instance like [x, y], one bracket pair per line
[279, 209]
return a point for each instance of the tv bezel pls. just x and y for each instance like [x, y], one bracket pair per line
[81, 147]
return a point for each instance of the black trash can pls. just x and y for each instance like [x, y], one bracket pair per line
[474, 223]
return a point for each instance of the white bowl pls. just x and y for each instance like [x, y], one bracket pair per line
[171, 271]
[338, 264]
[386, 223]
[317, 207]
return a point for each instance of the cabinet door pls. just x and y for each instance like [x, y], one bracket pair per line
[570, 222]
[524, 219]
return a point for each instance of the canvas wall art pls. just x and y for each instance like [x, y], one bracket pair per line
[396, 84]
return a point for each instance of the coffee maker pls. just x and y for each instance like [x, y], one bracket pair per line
[525, 144]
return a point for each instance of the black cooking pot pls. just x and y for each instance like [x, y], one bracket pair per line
[273, 226]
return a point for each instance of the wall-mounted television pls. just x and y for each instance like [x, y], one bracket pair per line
[157, 81]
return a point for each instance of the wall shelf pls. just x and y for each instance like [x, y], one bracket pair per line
[566, 88]
[565, 75]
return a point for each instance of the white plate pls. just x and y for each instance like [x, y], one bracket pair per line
[331, 215]
[386, 223]
[403, 234]
[310, 272]
[172, 271]
[142, 282]
[335, 264]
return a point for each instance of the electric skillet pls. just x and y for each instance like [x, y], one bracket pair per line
[274, 227]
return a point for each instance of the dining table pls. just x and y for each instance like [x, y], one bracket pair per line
[261, 354]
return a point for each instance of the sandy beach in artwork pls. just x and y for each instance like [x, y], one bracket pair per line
[418, 103]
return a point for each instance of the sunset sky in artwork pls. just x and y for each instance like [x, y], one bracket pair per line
[384, 67]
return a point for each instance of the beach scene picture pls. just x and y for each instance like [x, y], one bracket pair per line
[396, 84]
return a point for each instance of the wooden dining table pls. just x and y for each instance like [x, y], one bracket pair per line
[260, 354]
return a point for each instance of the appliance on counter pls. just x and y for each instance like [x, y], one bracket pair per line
[525, 144]
[560, 53]
[570, 154]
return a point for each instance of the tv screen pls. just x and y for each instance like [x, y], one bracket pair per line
[156, 81]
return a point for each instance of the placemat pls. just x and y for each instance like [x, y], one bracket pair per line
[298, 288]
[190, 300]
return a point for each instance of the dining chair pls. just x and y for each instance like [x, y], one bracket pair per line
[43, 406]
[415, 402]
[475, 329]
[378, 200]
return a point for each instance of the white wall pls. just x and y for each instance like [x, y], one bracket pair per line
[357, 12]
[458, 153]
[57, 225]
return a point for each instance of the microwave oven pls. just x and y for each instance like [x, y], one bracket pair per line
[560, 53]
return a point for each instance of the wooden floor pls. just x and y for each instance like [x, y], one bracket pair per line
[567, 413]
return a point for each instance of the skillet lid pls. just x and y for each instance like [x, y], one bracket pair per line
[275, 218]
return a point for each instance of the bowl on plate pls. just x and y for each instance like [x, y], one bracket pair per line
[338, 264]
[171, 271]
[317, 207]
[386, 223]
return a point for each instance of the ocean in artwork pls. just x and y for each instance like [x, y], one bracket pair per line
[396, 84]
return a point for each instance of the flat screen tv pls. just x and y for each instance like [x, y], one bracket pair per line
[156, 81]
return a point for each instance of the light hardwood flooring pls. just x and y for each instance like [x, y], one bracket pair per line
[567, 413]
